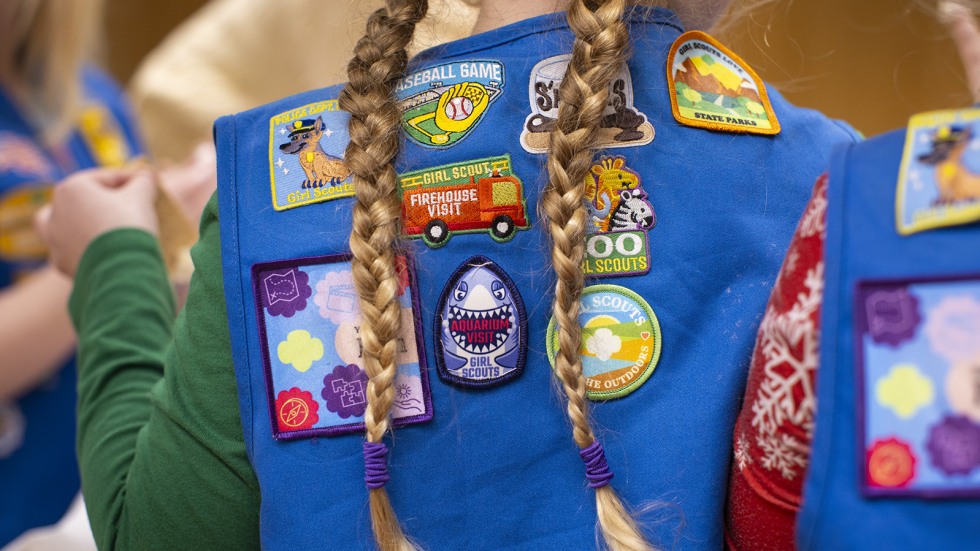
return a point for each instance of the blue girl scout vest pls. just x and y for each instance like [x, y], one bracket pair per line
[38, 469]
[690, 226]
[896, 452]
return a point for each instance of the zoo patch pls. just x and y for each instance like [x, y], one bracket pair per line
[939, 179]
[19, 242]
[622, 124]
[309, 322]
[711, 87]
[479, 196]
[620, 341]
[441, 105]
[918, 361]
[103, 135]
[621, 214]
[481, 327]
[306, 147]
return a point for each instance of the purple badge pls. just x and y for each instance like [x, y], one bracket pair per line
[345, 391]
[481, 327]
[893, 316]
[285, 291]
[954, 445]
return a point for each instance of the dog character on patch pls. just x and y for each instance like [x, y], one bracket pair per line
[954, 180]
[320, 167]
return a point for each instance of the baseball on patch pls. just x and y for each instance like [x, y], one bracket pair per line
[459, 108]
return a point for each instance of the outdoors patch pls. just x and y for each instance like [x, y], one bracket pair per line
[19, 242]
[481, 327]
[479, 196]
[441, 105]
[621, 215]
[918, 360]
[620, 341]
[309, 323]
[939, 179]
[306, 148]
[711, 87]
[622, 125]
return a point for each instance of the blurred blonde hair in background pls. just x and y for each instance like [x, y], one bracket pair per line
[44, 45]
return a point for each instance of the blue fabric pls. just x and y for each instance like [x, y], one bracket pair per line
[863, 244]
[497, 468]
[39, 477]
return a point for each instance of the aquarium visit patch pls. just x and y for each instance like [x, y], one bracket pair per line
[622, 124]
[306, 148]
[939, 178]
[481, 327]
[620, 212]
[711, 87]
[620, 341]
[478, 196]
[309, 323]
[918, 360]
[441, 105]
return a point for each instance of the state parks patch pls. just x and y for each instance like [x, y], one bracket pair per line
[621, 341]
[309, 322]
[711, 87]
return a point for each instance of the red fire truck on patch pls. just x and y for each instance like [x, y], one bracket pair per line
[494, 204]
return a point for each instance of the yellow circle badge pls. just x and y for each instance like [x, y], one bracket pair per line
[620, 341]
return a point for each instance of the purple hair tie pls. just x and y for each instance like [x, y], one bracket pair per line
[375, 464]
[596, 468]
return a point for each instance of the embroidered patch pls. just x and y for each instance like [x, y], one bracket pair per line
[481, 327]
[918, 360]
[441, 105]
[12, 428]
[623, 125]
[315, 379]
[18, 240]
[20, 156]
[939, 179]
[621, 215]
[711, 87]
[306, 148]
[479, 196]
[620, 341]
[103, 135]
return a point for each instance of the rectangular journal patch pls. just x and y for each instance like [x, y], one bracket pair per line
[918, 360]
[309, 322]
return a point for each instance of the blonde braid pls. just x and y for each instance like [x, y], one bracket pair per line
[379, 61]
[599, 53]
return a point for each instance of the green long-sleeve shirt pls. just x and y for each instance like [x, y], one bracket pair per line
[163, 461]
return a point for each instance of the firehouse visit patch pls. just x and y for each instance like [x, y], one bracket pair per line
[309, 322]
[919, 393]
[620, 341]
[939, 179]
[479, 196]
[306, 147]
[481, 327]
[622, 124]
[711, 87]
[441, 105]
[621, 215]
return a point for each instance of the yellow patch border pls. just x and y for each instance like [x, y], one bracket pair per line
[714, 125]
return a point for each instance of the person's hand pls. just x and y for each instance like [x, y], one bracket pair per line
[962, 24]
[89, 203]
[192, 181]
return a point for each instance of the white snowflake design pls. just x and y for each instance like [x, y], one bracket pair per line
[742, 457]
[815, 218]
[789, 348]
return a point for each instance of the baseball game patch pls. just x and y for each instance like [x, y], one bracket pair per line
[939, 178]
[309, 322]
[622, 125]
[711, 87]
[918, 361]
[620, 341]
[481, 327]
[621, 215]
[441, 105]
[478, 196]
[306, 148]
